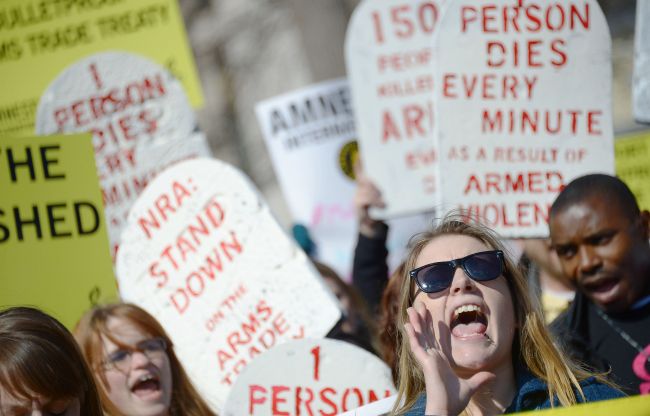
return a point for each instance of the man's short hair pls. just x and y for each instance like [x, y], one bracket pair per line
[610, 188]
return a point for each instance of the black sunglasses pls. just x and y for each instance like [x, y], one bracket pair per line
[481, 267]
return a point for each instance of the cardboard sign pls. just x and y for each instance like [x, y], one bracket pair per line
[39, 39]
[140, 120]
[523, 93]
[641, 79]
[53, 246]
[203, 254]
[310, 377]
[311, 137]
[390, 68]
[633, 164]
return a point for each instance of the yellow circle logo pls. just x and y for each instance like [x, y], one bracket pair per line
[348, 157]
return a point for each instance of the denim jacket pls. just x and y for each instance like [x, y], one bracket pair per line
[532, 394]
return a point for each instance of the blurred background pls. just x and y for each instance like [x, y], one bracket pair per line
[250, 50]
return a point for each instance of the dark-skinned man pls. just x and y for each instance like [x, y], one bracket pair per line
[601, 238]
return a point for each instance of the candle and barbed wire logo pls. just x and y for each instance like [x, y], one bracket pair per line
[348, 157]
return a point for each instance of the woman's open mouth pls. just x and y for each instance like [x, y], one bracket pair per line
[147, 387]
[468, 321]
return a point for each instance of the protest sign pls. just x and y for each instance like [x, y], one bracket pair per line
[381, 407]
[390, 68]
[140, 120]
[203, 254]
[311, 137]
[54, 250]
[523, 106]
[633, 164]
[40, 38]
[310, 377]
[641, 80]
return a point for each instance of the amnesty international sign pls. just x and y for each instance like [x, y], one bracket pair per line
[53, 245]
[39, 38]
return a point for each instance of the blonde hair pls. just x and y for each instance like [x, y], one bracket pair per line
[93, 325]
[532, 344]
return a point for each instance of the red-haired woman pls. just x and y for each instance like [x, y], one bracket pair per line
[134, 362]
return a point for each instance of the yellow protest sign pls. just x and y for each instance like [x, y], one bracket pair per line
[54, 251]
[633, 164]
[39, 38]
[629, 406]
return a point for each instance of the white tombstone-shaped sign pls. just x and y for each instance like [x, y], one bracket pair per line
[311, 136]
[140, 118]
[523, 93]
[388, 50]
[202, 253]
[310, 377]
[641, 87]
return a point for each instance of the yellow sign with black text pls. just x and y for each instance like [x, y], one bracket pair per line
[633, 165]
[40, 38]
[54, 251]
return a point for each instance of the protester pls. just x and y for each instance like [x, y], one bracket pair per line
[135, 365]
[601, 238]
[388, 334]
[355, 326]
[42, 370]
[476, 344]
[369, 267]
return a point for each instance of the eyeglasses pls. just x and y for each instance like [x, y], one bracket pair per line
[121, 359]
[481, 267]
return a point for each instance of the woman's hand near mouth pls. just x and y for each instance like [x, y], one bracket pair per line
[447, 394]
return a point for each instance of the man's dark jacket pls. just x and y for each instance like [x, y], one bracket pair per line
[571, 330]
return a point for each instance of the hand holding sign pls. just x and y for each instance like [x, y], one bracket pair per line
[366, 196]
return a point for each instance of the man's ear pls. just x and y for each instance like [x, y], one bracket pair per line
[645, 223]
